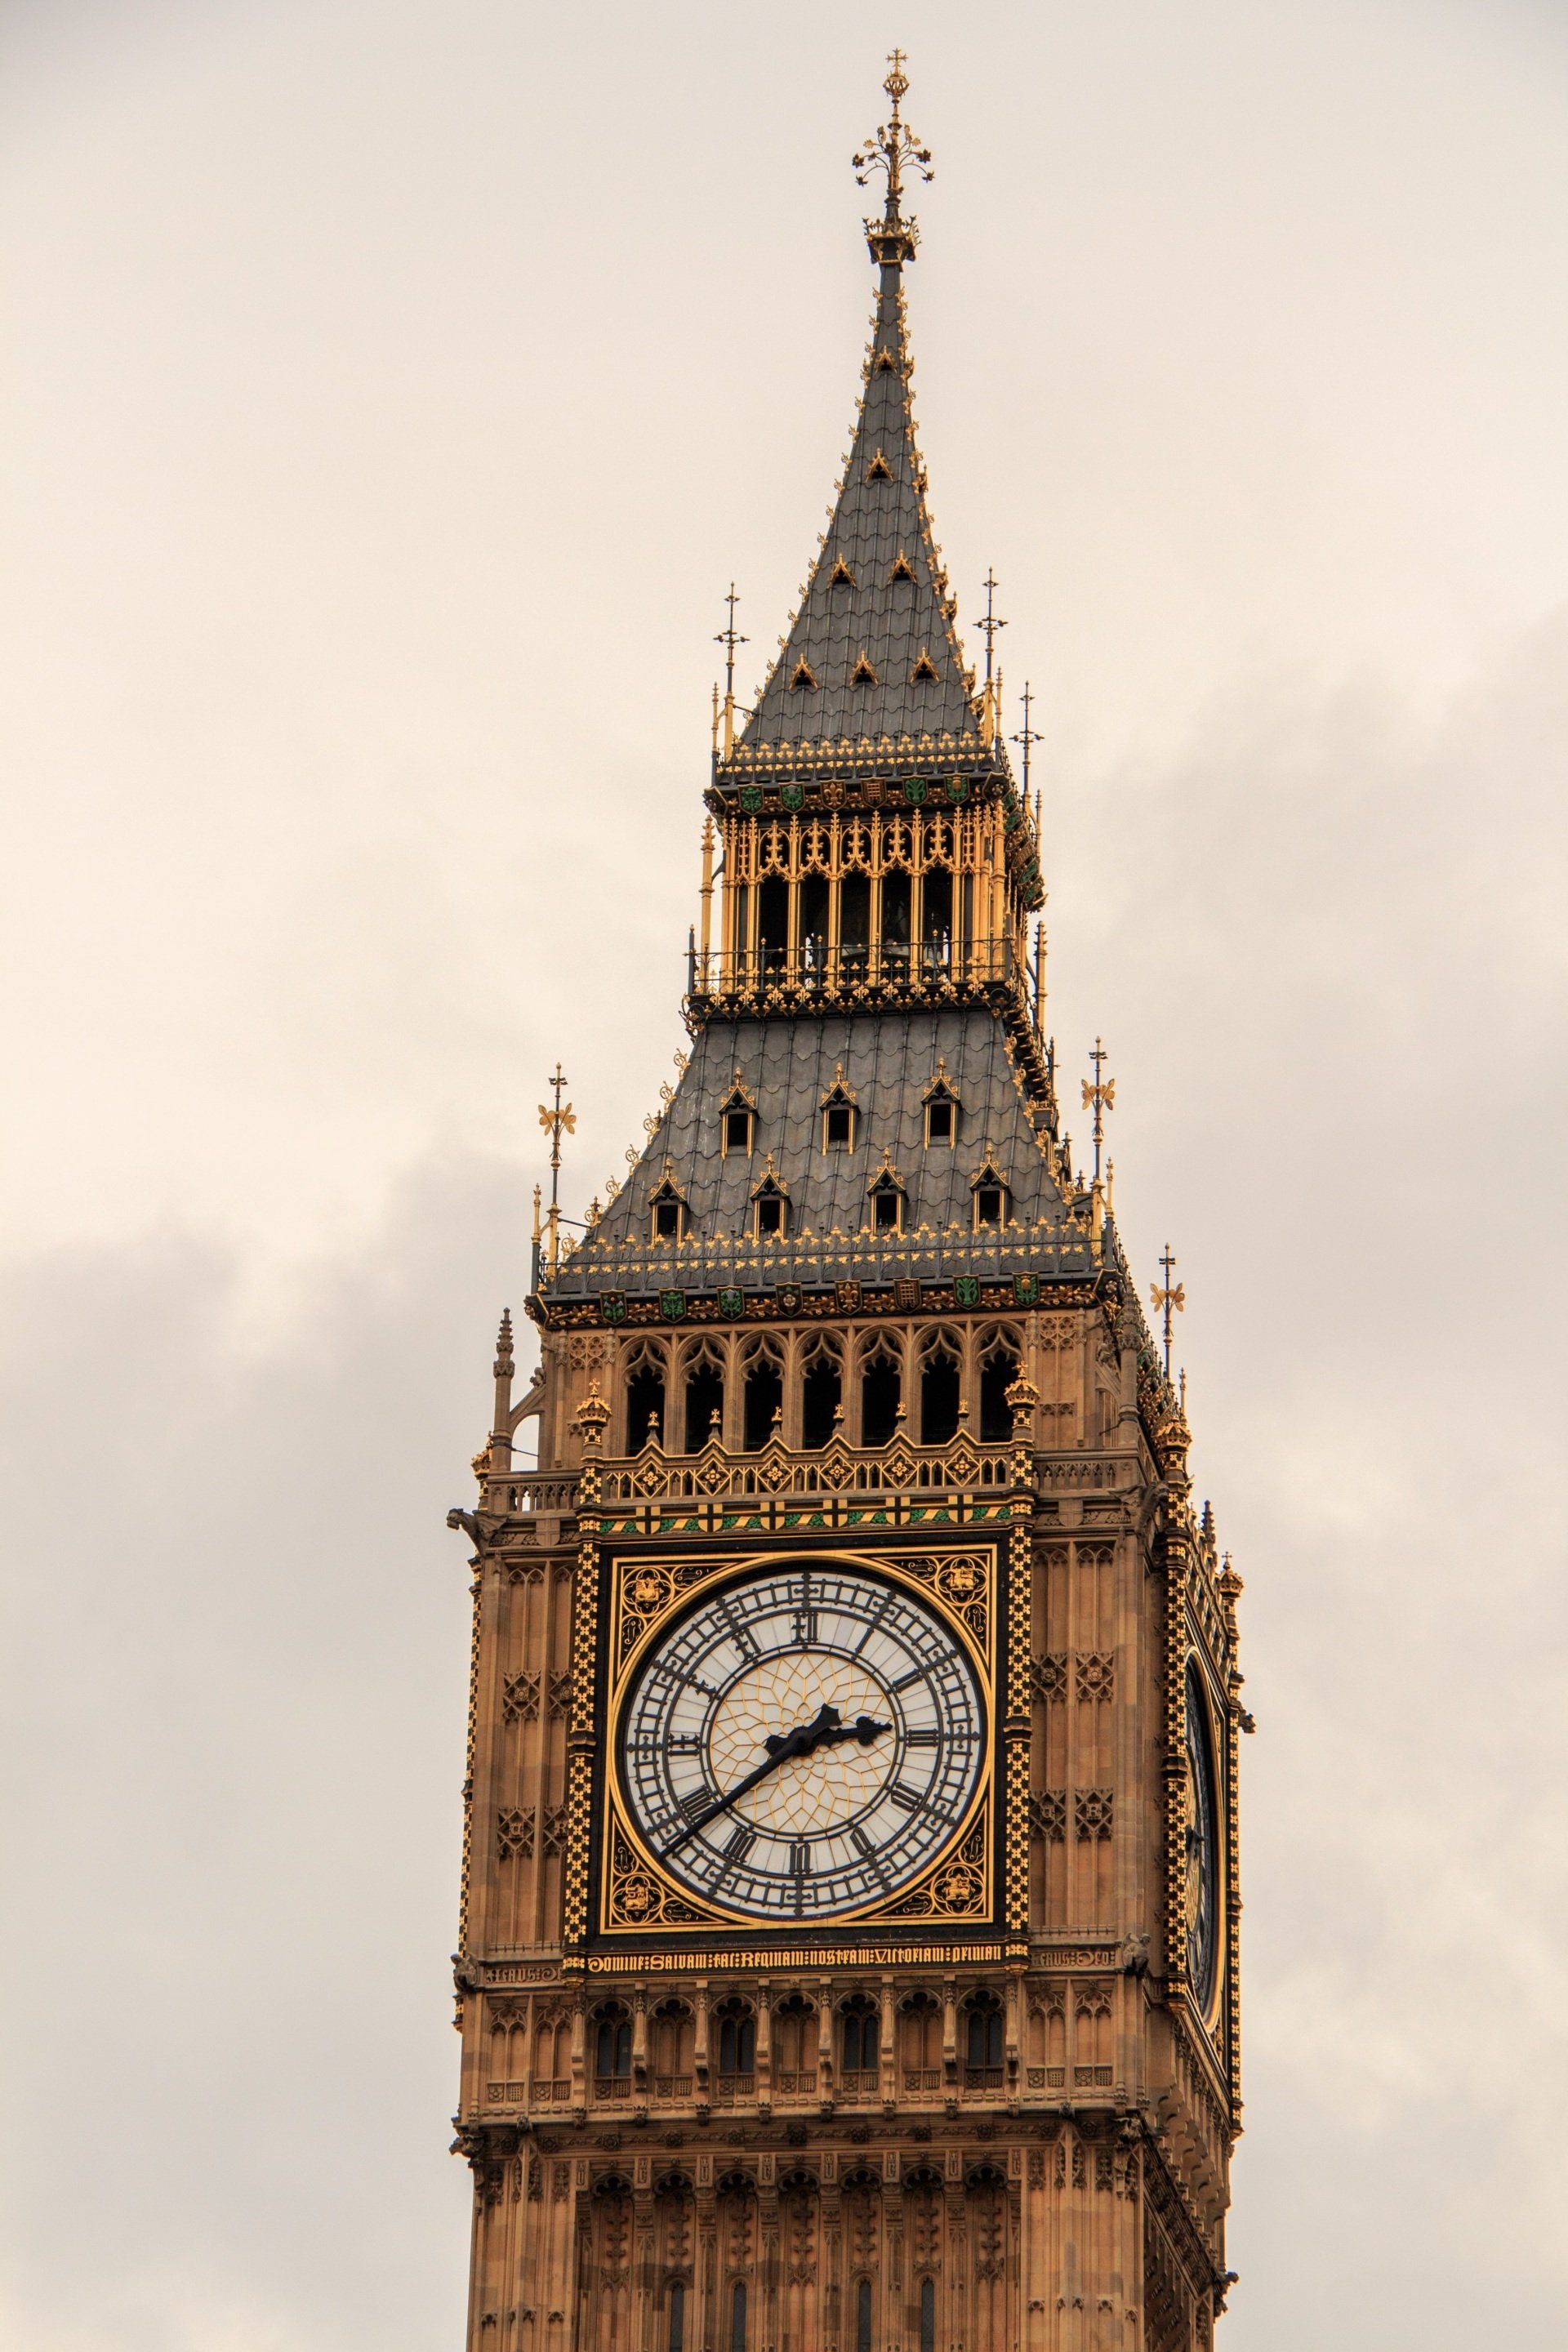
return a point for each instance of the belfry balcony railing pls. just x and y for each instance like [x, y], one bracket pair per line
[936, 970]
[898, 1467]
[837, 1469]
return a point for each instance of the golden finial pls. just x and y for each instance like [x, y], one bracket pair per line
[556, 1121]
[1172, 1298]
[892, 148]
[1099, 1097]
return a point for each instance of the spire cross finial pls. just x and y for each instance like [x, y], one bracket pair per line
[891, 147]
[1172, 1298]
[1027, 735]
[1099, 1097]
[562, 1118]
[990, 625]
[730, 638]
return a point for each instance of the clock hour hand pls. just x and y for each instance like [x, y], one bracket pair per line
[826, 1728]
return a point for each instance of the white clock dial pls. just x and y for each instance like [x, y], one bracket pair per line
[802, 1742]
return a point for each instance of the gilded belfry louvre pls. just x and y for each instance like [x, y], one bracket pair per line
[848, 1957]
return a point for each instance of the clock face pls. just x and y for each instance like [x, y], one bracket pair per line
[801, 1742]
[1202, 1888]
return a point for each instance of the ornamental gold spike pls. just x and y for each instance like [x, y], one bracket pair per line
[1171, 1298]
[1099, 1097]
[893, 149]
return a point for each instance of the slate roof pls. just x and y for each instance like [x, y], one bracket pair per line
[872, 621]
[788, 1064]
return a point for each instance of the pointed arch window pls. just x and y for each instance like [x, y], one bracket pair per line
[902, 568]
[820, 1396]
[738, 1120]
[1000, 1365]
[878, 470]
[841, 576]
[881, 1395]
[840, 1114]
[925, 670]
[863, 673]
[703, 1398]
[762, 1402]
[803, 677]
[645, 1398]
[941, 1390]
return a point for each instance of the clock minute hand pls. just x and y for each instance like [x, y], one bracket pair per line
[826, 1726]
[780, 1747]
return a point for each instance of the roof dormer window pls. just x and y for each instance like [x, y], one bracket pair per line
[737, 1121]
[888, 1200]
[770, 1205]
[668, 1216]
[941, 1110]
[840, 1114]
[993, 1200]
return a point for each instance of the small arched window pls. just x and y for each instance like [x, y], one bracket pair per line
[613, 2041]
[737, 2038]
[737, 1121]
[983, 2033]
[861, 2034]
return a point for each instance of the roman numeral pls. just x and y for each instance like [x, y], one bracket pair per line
[805, 1622]
[741, 1632]
[740, 1844]
[697, 1801]
[800, 1860]
[910, 1799]
[686, 1743]
[917, 1675]
[926, 1737]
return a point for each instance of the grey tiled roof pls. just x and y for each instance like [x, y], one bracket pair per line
[893, 625]
[788, 1064]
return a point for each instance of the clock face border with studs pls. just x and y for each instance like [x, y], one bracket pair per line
[1203, 1871]
[734, 1651]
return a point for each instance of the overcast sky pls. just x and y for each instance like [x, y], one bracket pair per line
[392, 391]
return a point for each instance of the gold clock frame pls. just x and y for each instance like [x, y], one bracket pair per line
[637, 1896]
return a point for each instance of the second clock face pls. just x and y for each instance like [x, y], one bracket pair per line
[849, 1708]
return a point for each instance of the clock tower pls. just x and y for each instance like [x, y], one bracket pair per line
[849, 1935]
